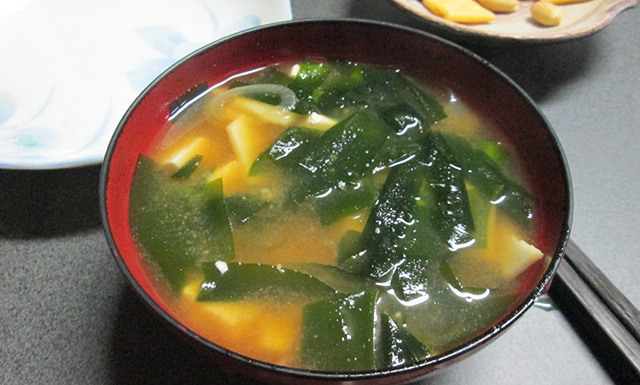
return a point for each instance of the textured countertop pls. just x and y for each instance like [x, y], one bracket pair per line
[67, 315]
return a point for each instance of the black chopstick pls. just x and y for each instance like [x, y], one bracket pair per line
[617, 303]
[595, 302]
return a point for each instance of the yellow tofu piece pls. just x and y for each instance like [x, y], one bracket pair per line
[506, 256]
[524, 255]
[317, 121]
[248, 139]
[227, 114]
[460, 121]
[461, 11]
[191, 290]
[171, 161]
[255, 328]
[262, 330]
[234, 176]
[354, 222]
[294, 71]
[264, 112]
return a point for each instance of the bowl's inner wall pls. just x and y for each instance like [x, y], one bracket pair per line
[419, 55]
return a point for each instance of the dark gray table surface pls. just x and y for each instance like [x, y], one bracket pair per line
[67, 316]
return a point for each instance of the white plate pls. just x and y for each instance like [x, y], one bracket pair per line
[69, 69]
[578, 20]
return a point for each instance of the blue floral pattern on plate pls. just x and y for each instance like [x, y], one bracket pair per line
[62, 92]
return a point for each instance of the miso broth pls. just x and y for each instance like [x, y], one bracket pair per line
[333, 216]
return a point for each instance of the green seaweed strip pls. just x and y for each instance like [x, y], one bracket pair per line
[447, 273]
[239, 281]
[399, 346]
[450, 192]
[410, 281]
[344, 153]
[423, 238]
[384, 88]
[168, 223]
[242, 207]
[342, 281]
[215, 211]
[330, 97]
[495, 151]
[431, 110]
[405, 120]
[189, 168]
[486, 175]
[339, 334]
[343, 201]
[480, 208]
[310, 75]
[383, 236]
[347, 255]
[286, 150]
[424, 248]
[396, 151]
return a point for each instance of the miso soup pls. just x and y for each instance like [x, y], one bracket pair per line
[333, 216]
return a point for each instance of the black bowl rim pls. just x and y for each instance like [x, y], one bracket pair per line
[420, 368]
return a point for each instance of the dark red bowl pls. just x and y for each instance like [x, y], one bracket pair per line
[419, 54]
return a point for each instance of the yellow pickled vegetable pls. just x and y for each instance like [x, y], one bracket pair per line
[546, 13]
[462, 11]
[504, 6]
[566, 1]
